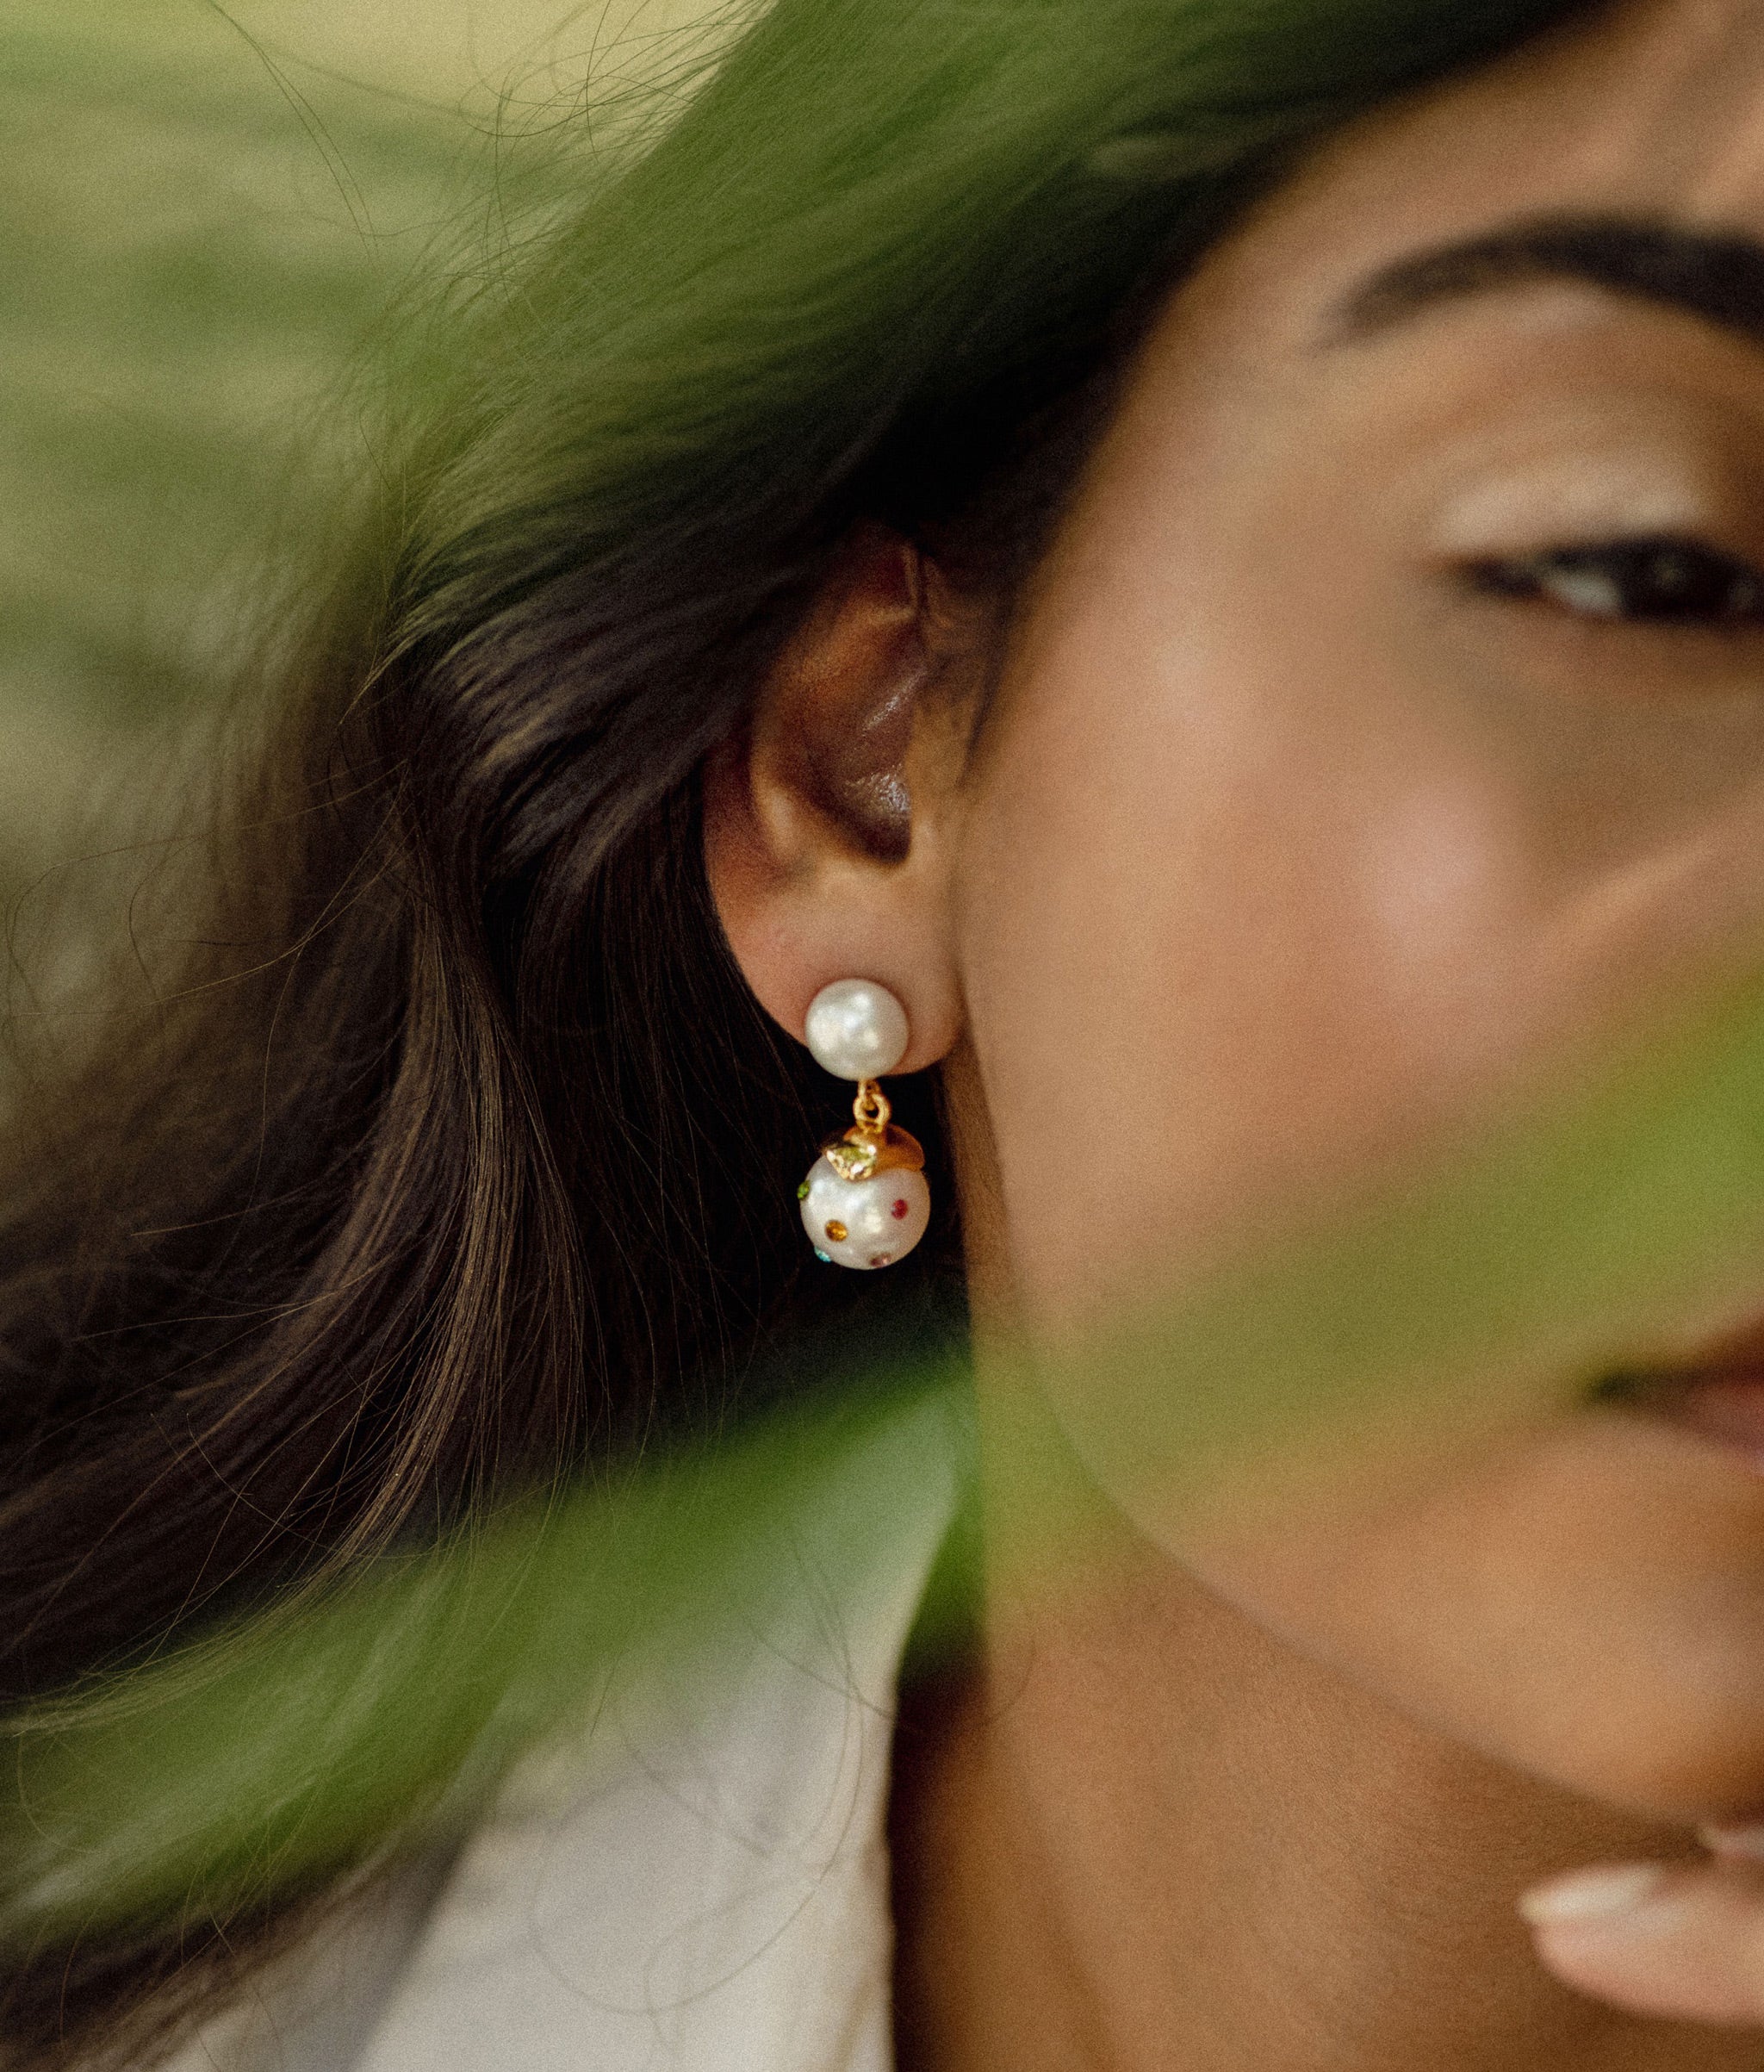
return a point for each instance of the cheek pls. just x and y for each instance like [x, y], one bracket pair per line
[1265, 897]
[1230, 936]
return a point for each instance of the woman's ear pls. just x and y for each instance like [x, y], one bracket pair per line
[829, 822]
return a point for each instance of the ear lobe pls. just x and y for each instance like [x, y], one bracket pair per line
[823, 837]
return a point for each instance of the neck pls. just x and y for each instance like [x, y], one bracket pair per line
[1147, 1834]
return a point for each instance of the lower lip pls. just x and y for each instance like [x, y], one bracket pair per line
[1725, 1405]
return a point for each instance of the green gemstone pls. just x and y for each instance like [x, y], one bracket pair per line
[852, 1162]
[802, 1192]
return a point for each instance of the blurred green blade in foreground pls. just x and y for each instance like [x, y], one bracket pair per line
[274, 1756]
[236, 1767]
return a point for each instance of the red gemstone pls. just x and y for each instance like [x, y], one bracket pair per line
[899, 1210]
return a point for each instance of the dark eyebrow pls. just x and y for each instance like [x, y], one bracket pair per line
[1715, 276]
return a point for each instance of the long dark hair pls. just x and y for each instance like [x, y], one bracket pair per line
[458, 1154]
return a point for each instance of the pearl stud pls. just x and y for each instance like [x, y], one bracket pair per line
[856, 1029]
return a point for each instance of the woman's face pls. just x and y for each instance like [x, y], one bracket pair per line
[1388, 722]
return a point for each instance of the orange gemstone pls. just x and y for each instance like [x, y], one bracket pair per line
[838, 1232]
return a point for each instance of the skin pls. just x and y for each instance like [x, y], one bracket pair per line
[1282, 855]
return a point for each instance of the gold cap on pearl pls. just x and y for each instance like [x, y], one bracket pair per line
[859, 1153]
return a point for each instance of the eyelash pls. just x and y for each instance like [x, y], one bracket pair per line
[1667, 582]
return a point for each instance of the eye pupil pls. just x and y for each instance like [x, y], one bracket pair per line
[1665, 580]
[1671, 574]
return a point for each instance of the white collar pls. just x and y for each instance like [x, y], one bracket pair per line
[708, 1892]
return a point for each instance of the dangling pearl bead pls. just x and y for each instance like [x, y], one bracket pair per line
[866, 1224]
[856, 1029]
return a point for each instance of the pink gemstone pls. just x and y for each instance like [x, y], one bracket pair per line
[899, 1210]
[881, 1259]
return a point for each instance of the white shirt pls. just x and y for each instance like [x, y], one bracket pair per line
[697, 1883]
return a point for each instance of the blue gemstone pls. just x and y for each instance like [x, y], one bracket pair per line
[825, 1258]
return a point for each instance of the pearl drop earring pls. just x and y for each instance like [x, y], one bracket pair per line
[865, 1202]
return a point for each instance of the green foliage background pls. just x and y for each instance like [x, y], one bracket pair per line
[202, 213]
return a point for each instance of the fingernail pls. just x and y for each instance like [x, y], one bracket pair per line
[1591, 1896]
[1748, 1842]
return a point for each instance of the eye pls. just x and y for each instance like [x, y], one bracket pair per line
[1671, 581]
